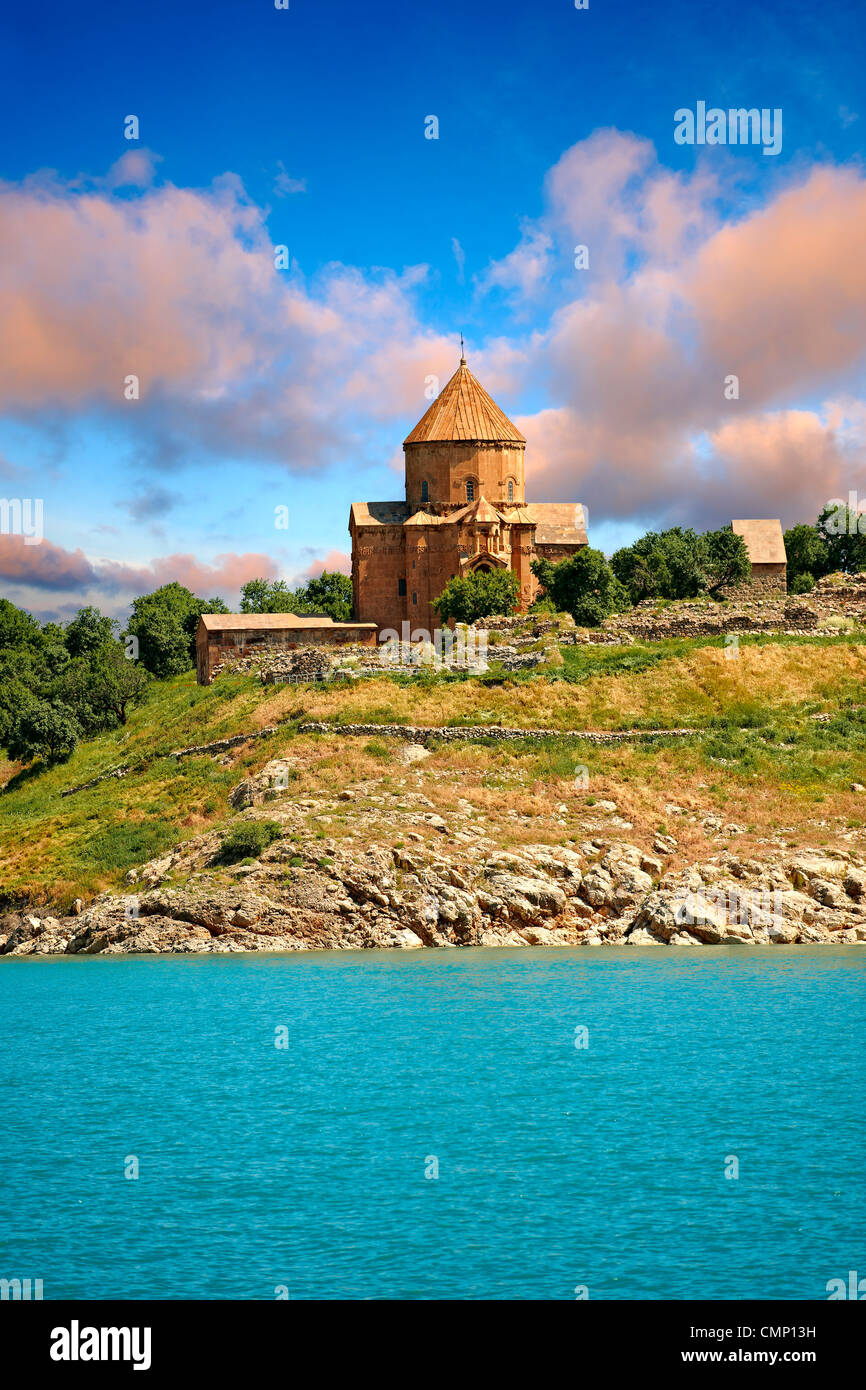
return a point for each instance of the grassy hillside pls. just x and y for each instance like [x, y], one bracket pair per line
[763, 760]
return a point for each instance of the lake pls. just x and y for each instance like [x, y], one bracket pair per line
[472, 1124]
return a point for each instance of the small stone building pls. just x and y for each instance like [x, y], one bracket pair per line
[465, 511]
[766, 546]
[224, 637]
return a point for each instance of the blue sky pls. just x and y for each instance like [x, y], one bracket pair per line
[306, 127]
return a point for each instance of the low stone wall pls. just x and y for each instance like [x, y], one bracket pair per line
[220, 745]
[95, 781]
[414, 733]
[302, 663]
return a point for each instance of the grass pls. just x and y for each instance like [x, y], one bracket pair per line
[762, 759]
[670, 684]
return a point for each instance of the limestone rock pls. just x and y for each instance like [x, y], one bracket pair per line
[597, 887]
[641, 937]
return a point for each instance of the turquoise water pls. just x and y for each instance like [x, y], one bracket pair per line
[558, 1167]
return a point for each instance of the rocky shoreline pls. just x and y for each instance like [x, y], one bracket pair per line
[604, 893]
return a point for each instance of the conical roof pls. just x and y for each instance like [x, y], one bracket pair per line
[464, 411]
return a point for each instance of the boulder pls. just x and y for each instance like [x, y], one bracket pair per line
[597, 887]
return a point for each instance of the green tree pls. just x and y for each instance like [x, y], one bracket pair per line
[661, 564]
[843, 531]
[17, 627]
[724, 560]
[116, 682]
[808, 557]
[43, 729]
[165, 622]
[87, 632]
[190, 622]
[583, 585]
[15, 693]
[467, 598]
[264, 596]
[331, 593]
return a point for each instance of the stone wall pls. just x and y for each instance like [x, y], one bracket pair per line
[767, 581]
[448, 734]
[796, 614]
[844, 594]
[248, 650]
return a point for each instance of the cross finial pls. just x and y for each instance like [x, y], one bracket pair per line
[462, 352]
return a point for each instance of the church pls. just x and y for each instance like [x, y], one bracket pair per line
[465, 511]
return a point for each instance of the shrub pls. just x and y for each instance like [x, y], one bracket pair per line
[553, 657]
[543, 604]
[478, 595]
[249, 839]
[801, 584]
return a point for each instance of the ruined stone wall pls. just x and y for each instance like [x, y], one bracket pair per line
[651, 623]
[844, 594]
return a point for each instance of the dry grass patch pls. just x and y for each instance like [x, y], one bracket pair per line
[680, 691]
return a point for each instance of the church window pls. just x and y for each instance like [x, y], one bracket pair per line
[414, 598]
[510, 490]
[470, 490]
[401, 587]
[425, 491]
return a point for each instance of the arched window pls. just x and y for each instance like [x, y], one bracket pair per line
[470, 490]
[425, 491]
[510, 490]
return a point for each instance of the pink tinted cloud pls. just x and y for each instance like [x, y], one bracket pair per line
[48, 567]
[334, 560]
[44, 566]
[178, 287]
[637, 359]
[780, 298]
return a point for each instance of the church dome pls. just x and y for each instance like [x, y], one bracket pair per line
[464, 412]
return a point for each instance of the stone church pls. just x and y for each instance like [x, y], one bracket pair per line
[465, 511]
